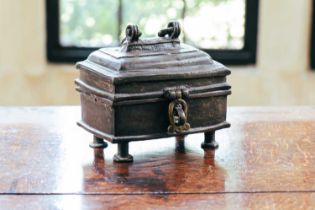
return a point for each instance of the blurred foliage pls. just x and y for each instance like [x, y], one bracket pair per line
[95, 23]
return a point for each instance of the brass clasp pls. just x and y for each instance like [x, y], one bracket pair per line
[177, 109]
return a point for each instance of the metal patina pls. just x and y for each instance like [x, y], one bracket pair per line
[151, 88]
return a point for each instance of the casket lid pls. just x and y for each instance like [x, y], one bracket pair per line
[152, 59]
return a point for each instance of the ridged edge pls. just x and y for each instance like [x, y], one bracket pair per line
[117, 139]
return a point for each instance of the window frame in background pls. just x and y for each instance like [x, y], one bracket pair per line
[56, 53]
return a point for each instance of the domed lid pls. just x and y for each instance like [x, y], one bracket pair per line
[158, 58]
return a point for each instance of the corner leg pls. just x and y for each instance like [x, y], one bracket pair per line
[209, 142]
[123, 155]
[98, 143]
[180, 143]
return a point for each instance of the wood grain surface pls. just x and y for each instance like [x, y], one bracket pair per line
[266, 160]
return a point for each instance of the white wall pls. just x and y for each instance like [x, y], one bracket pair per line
[280, 77]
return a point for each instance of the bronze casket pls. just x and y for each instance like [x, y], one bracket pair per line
[151, 88]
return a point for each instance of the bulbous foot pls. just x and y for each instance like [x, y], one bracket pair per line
[98, 143]
[209, 142]
[123, 155]
[180, 144]
[123, 159]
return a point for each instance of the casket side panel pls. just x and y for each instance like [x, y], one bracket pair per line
[97, 112]
[145, 115]
[152, 118]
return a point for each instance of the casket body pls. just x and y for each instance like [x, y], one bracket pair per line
[126, 91]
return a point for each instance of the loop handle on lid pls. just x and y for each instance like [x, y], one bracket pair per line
[132, 33]
[173, 30]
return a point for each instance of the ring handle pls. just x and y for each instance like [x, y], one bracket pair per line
[132, 33]
[173, 30]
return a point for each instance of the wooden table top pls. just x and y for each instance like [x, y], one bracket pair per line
[266, 160]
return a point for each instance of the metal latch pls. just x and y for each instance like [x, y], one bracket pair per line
[177, 109]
